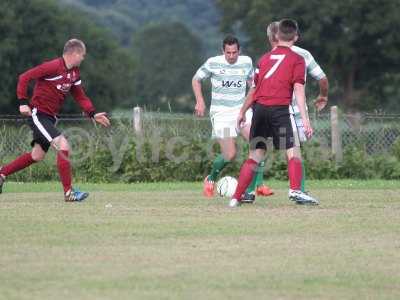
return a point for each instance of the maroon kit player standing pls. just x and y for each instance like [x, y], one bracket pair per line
[54, 80]
[280, 72]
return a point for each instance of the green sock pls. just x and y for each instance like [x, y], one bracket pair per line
[218, 164]
[303, 177]
[260, 174]
[257, 179]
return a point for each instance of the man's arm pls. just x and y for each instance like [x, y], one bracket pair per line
[248, 102]
[37, 72]
[322, 99]
[246, 105]
[80, 97]
[202, 73]
[299, 92]
[87, 106]
[200, 106]
[318, 74]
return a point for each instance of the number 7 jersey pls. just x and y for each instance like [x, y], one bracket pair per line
[276, 74]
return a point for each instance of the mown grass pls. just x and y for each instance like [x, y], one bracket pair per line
[23, 187]
[164, 241]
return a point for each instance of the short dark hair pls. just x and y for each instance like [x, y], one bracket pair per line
[74, 45]
[287, 30]
[230, 40]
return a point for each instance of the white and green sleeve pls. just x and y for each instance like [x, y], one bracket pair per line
[204, 71]
[314, 69]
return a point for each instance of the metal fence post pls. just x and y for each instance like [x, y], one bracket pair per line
[138, 120]
[336, 135]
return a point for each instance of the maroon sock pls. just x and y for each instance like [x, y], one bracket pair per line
[21, 162]
[295, 171]
[247, 172]
[64, 169]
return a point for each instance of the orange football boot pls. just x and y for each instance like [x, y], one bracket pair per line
[208, 188]
[263, 190]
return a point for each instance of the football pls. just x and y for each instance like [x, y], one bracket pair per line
[226, 186]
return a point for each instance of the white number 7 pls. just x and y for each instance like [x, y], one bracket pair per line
[279, 58]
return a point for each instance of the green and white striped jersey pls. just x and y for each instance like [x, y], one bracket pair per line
[228, 81]
[312, 68]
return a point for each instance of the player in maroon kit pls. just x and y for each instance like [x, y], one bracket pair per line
[54, 80]
[280, 72]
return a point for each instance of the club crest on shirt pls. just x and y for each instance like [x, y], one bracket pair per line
[233, 72]
[64, 87]
[73, 76]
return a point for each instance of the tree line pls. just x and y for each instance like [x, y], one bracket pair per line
[356, 42]
[124, 17]
[155, 72]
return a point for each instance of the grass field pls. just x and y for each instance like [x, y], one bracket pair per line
[164, 241]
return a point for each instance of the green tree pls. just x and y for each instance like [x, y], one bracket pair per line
[168, 56]
[35, 30]
[356, 41]
[126, 16]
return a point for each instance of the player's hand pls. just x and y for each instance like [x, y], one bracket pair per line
[320, 102]
[241, 120]
[200, 109]
[308, 129]
[25, 110]
[102, 119]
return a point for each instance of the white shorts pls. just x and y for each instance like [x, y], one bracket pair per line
[298, 130]
[224, 123]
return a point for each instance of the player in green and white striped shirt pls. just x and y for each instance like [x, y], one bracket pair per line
[230, 75]
[315, 71]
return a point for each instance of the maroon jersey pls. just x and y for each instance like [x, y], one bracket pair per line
[276, 74]
[53, 82]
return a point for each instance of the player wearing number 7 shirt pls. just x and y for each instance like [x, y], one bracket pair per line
[280, 73]
[54, 80]
[315, 71]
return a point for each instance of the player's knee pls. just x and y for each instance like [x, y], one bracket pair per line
[38, 155]
[257, 155]
[293, 153]
[65, 147]
[297, 152]
[61, 143]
